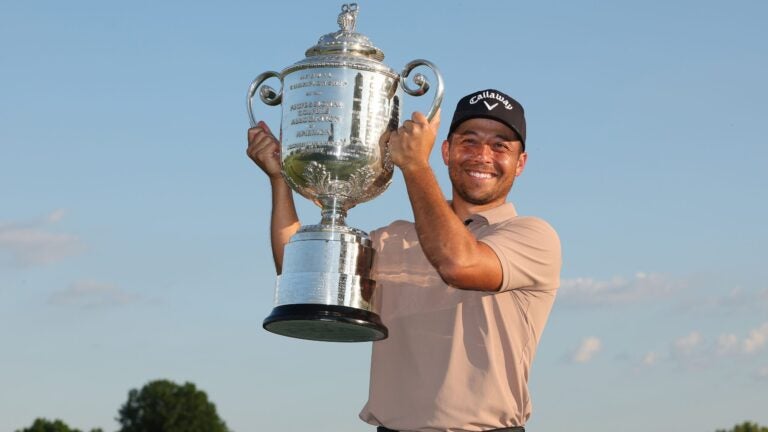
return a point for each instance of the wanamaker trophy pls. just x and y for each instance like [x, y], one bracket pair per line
[338, 104]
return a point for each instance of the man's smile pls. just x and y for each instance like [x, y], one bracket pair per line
[480, 174]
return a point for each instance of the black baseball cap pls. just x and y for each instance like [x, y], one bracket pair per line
[491, 104]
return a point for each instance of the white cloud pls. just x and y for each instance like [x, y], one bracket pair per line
[587, 350]
[727, 344]
[756, 339]
[617, 290]
[90, 294]
[56, 215]
[697, 350]
[687, 344]
[651, 358]
[26, 244]
[734, 300]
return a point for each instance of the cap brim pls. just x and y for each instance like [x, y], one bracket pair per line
[457, 121]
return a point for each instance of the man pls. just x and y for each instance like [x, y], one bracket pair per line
[466, 289]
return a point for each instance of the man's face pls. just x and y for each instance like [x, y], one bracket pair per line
[483, 158]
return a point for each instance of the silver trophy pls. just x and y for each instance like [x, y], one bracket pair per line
[338, 104]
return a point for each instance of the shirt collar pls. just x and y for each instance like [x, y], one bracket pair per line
[494, 215]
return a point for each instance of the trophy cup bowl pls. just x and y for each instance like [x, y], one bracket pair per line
[338, 106]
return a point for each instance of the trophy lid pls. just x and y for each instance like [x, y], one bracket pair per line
[346, 41]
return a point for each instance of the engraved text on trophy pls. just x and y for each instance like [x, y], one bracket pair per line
[332, 124]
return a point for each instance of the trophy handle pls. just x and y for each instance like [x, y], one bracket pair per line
[423, 85]
[267, 93]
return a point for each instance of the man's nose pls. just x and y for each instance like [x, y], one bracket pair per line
[483, 152]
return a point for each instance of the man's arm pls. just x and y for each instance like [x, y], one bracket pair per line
[264, 149]
[461, 260]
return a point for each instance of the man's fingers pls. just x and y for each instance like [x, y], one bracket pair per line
[252, 132]
[256, 133]
[263, 150]
[261, 129]
[435, 122]
[266, 153]
[419, 118]
[265, 141]
[265, 127]
[262, 142]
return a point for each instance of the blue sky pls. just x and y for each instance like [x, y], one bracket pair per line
[134, 231]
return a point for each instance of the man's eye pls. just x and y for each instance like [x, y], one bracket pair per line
[501, 147]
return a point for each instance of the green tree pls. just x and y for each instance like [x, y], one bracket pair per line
[164, 406]
[45, 425]
[746, 427]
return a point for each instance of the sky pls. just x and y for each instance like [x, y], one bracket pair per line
[134, 230]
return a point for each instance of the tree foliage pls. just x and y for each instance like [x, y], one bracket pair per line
[45, 425]
[164, 406]
[746, 427]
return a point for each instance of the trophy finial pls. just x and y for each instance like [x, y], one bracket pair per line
[346, 42]
[347, 17]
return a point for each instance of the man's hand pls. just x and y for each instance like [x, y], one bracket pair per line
[411, 144]
[264, 149]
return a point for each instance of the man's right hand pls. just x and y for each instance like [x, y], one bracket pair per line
[264, 149]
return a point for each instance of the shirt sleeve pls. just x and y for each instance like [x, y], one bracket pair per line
[529, 252]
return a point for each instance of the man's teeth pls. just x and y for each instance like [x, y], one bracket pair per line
[480, 175]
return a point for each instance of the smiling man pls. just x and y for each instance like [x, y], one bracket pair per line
[465, 290]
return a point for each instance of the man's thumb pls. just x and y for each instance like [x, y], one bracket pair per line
[435, 122]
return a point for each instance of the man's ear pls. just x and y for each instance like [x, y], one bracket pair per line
[444, 151]
[521, 163]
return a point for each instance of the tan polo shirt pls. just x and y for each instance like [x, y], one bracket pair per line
[458, 360]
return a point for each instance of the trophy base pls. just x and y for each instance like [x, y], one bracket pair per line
[328, 323]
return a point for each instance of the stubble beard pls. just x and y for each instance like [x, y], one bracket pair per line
[499, 191]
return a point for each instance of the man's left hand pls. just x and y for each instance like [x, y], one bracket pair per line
[411, 144]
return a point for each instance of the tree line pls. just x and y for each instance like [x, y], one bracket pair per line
[746, 427]
[164, 406]
[159, 406]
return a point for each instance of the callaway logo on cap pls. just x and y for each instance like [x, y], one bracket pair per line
[491, 104]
